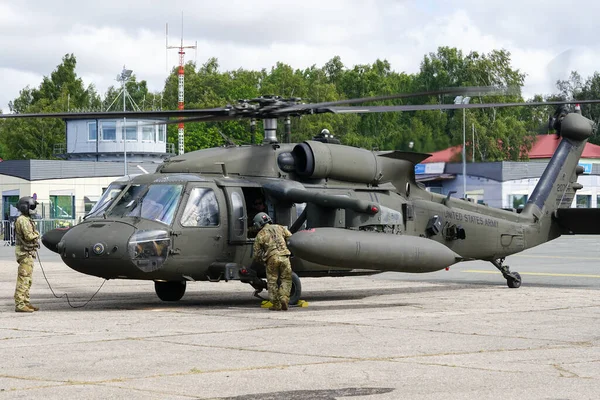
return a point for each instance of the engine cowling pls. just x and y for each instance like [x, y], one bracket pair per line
[318, 160]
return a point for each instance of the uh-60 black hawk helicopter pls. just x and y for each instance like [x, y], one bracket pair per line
[350, 210]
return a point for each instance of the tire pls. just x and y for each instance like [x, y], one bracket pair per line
[296, 291]
[514, 282]
[170, 291]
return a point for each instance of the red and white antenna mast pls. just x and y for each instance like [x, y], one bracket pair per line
[180, 75]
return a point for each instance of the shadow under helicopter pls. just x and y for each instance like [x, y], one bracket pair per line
[214, 300]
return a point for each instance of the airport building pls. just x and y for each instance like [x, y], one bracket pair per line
[507, 184]
[93, 155]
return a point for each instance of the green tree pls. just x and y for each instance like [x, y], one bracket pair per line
[501, 133]
[61, 91]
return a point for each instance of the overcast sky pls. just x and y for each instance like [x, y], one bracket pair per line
[547, 39]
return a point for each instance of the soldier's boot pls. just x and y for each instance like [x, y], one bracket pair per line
[24, 308]
[34, 308]
[284, 305]
[273, 308]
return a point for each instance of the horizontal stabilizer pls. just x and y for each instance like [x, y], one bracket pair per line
[578, 221]
[412, 157]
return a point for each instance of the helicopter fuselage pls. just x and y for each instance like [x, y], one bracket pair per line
[350, 211]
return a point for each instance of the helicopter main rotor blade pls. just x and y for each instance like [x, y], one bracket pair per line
[263, 107]
[472, 90]
[430, 107]
[221, 111]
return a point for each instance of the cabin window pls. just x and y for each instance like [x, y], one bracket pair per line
[598, 201]
[202, 208]
[92, 131]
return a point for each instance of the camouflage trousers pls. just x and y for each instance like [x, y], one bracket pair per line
[279, 269]
[23, 281]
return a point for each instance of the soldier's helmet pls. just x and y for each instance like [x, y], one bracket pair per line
[26, 205]
[261, 219]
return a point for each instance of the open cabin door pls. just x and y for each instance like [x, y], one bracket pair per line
[237, 213]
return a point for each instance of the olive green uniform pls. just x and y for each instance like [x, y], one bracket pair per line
[270, 247]
[26, 246]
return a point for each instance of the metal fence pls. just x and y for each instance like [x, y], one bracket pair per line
[43, 226]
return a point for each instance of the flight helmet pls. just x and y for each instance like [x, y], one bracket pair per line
[26, 205]
[261, 219]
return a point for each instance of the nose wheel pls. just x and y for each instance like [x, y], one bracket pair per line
[513, 279]
[170, 291]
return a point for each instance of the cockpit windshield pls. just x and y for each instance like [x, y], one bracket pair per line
[157, 202]
[109, 195]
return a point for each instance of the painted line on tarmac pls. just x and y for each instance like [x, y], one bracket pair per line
[565, 257]
[477, 271]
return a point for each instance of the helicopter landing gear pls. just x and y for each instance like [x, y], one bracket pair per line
[513, 279]
[296, 291]
[170, 291]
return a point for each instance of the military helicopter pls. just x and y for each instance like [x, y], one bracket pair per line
[351, 210]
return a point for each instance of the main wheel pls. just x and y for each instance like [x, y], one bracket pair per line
[514, 281]
[296, 290]
[170, 291]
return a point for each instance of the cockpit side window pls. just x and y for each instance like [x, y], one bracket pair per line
[159, 203]
[202, 208]
[128, 201]
[156, 202]
[109, 195]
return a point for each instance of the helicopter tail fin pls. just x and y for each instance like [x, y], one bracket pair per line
[558, 183]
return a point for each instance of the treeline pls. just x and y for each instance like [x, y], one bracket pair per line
[500, 134]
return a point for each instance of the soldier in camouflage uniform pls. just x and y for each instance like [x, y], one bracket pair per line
[270, 247]
[26, 246]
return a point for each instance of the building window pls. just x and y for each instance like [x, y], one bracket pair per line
[148, 133]
[162, 130]
[62, 207]
[131, 132]
[583, 201]
[517, 201]
[109, 130]
[92, 131]
[9, 207]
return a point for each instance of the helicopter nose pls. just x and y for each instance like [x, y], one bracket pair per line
[52, 238]
[97, 248]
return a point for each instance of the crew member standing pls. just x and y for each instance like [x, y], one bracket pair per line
[26, 245]
[270, 247]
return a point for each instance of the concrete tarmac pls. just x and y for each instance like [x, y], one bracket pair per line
[372, 338]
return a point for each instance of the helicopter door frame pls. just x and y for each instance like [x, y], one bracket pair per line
[237, 215]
